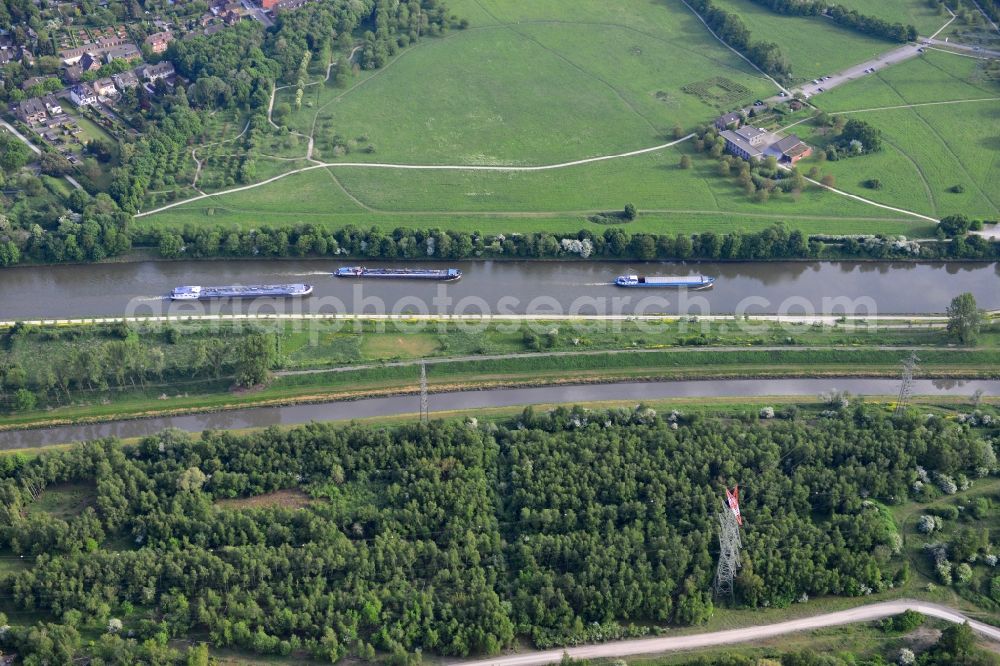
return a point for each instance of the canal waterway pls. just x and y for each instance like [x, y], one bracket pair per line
[391, 406]
[502, 287]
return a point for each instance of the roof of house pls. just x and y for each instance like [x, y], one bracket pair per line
[100, 84]
[736, 139]
[160, 68]
[164, 36]
[729, 118]
[128, 76]
[30, 107]
[124, 51]
[82, 90]
[750, 133]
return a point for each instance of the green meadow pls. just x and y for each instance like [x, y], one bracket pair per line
[813, 45]
[532, 83]
[928, 149]
[917, 13]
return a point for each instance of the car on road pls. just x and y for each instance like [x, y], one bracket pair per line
[820, 90]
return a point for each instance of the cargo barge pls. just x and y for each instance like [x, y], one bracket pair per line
[199, 293]
[665, 281]
[439, 274]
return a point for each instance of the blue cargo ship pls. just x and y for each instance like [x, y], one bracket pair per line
[440, 274]
[198, 293]
[665, 281]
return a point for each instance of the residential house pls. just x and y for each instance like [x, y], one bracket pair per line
[98, 49]
[126, 52]
[153, 73]
[105, 87]
[159, 41]
[31, 111]
[728, 121]
[789, 150]
[746, 142]
[74, 73]
[90, 62]
[33, 81]
[53, 106]
[82, 95]
[125, 80]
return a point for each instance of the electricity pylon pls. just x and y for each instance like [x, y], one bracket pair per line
[424, 409]
[906, 387]
[729, 545]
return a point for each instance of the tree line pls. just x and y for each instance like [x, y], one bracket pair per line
[455, 537]
[52, 366]
[732, 30]
[772, 243]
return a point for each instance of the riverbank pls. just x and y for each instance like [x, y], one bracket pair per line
[314, 407]
[116, 372]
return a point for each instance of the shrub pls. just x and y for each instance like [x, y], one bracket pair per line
[873, 184]
[957, 189]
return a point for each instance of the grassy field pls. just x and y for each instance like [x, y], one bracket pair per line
[528, 83]
[908, 12]
[929, 149]
[814, 46]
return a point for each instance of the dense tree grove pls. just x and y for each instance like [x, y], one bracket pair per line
[234, 69]
[52, 366]
[455, 537]
[731, 29]
[849, 18]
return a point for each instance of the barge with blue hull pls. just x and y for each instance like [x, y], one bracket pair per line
[361, 272]
[199, 293]
[664, 281]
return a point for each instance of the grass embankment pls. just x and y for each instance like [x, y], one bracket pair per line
[529, 371]
[196, 362]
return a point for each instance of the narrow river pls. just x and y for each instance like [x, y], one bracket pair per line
[518, 287]
[375, 407]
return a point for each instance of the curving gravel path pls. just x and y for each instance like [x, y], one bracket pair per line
[867, 613]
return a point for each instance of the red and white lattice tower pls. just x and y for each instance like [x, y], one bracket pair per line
[730, 521]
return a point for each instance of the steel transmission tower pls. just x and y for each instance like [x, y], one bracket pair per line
[906, 387]
[424, 409]
[729, 545]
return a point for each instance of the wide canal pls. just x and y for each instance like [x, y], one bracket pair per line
[515, 287]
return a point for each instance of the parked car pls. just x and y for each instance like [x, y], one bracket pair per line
[782, 94]
[758, 103]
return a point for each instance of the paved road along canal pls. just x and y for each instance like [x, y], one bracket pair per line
[374, 407]
[516, 287]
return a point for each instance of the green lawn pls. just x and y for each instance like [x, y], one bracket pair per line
[813, 45]
[908, 12]
[531, 83]
[929, 149]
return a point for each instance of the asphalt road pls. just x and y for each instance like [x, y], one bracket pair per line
[854, 72]
[675, 643]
